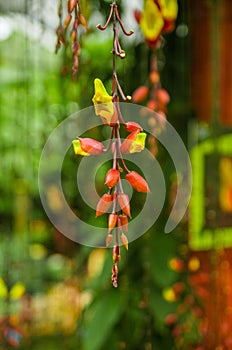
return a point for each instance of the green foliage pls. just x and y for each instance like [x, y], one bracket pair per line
[101, 318]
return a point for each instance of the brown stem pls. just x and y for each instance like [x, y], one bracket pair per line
[120, 153]
[120, 114]
[99, 26]
[119, 87]
[121, 24]
[110, 142]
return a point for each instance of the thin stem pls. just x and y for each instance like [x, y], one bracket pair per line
[114, 81]
[120, 114]
[115, 158]
[120, 153]
[120, 185]
[119, 87]
[121, 24]
[99, 26]
[110, 142]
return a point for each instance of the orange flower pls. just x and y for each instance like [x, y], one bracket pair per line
[124, 203]
[135, 142]
[112, 177]
[104, 204]
[137, 182]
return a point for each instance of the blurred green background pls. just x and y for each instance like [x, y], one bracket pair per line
[54, 293]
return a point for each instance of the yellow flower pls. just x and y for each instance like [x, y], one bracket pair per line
[151, 22]
[134, 142]
[102, 101]
[169, 9]
[139, 143]
[77, 148]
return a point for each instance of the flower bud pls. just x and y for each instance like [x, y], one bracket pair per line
[112, 220]
[137, 15]
[114, 275]
[91, 146]
[124, 203]
[132, 126]
[83, 20]
[163, 96]
[116, 253]
[140, 94]
[137, 182]
[73, 35]
[124, 222]
[154, 77]
[104, 204]
[71, 5]
[109, 239]
[112, 177]
[124, 240]
[152, 104]
[67, 21]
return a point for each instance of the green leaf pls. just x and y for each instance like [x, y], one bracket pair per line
[162, 249]
[101, 317]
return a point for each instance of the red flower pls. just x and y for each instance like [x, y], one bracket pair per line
[137, 182]
[140, 94]
[112, 177]
[124, 203]
[91, 146]
[112, 221]
[132, 126]
[104, 204]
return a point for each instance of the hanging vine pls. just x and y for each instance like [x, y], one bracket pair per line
[108, 108]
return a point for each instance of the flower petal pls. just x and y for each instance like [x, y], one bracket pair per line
[77, 148]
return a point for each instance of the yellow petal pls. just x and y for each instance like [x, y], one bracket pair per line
[77, 148]
[169, 9]
[151, 21]
[139, 143]
[17, 291]
[3, 289]
[102, 101]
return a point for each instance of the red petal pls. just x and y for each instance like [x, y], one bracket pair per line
[132, 126]
[112, 220]
[124, 203]
[126, 145]
[163, 96]
[104, 204]
[140, 94]
[137, 182]
[71, 4]
[124, 222]
[91, 146]
[112, 177]
[137, 15]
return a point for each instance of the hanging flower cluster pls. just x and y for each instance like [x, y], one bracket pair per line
[73, 19]
[154, 95]
[158, 17]
[107, 107]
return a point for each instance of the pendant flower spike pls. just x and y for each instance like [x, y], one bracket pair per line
[115, 203]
